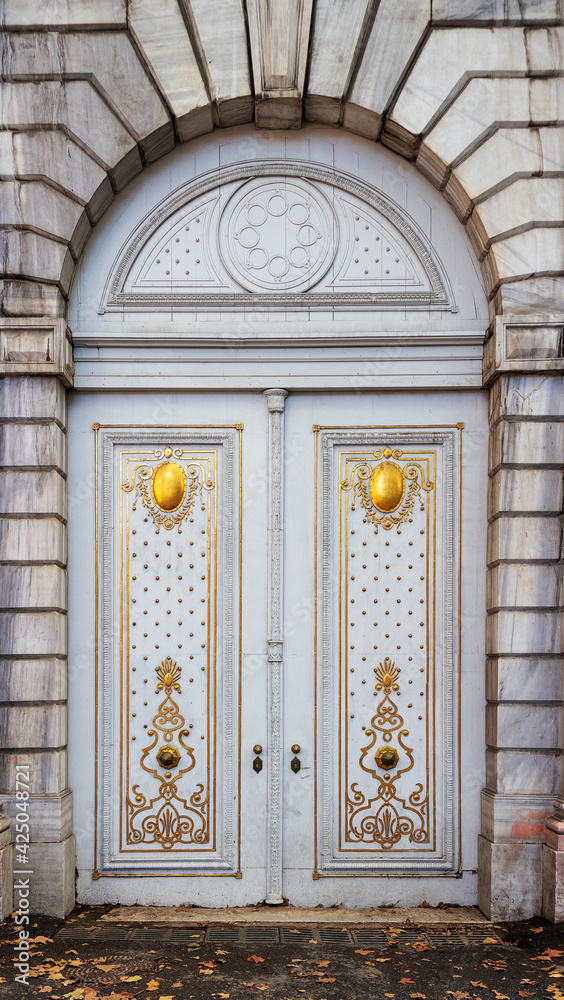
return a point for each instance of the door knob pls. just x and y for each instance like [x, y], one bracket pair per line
[257, 763]
[295, 762]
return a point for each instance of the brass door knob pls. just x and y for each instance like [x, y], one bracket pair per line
[257, 763]
[295, 748]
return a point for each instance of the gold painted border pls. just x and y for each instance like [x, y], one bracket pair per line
[316, 874]
[96, 874]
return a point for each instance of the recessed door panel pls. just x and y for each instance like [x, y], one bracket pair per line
[388, 658]
[169, 668]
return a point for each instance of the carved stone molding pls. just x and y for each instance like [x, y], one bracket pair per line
[279, 37]
[528, 344]
[275, 399]
[36, 347]
[216, 242]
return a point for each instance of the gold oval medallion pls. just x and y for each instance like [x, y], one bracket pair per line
[387, 486]
[168, 486]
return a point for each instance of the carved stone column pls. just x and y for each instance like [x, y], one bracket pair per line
[275, 402]
[37, 364]
[524, 668]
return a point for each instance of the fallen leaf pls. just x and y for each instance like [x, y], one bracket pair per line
[556, 975]
[127, 979]
[405, 980]
[481, 985]
[166, 998]
[363, 951]
[536, 930]
[263, 987]
[248, 984]
[177, 985]
[501, 996]
[383, 960]
[322, 965]
[491, 940]
[418, 996]
[210, 965]
[551, 953]
[206, 972]
[76, 994]
[220, 952]
[71, 952]
[524, 993]
[42, 989]
[420, 946]
[312, 941]
[152, 985]
[223, 996]
[40, 940]
[370, 963]
[294, 931]
[326, 979]
[255, 958]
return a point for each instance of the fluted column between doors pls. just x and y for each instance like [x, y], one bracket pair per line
[275, 401]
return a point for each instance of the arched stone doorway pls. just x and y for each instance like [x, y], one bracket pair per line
[316, 364]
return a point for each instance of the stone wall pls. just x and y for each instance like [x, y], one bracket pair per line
[94, 93]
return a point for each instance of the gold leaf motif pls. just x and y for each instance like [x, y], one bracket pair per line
[168, 486]
[387, 486]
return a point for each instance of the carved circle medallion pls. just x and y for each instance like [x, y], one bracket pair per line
[278, 235]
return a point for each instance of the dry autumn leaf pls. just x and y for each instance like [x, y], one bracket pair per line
[481, 985]
[166, 998]
[130, 979]
[363, 951]
[255, 958]
[248, 984]
[294, 931]
[491, 940]
[152, 985]
[322, 965]
[263, 987]
[223, 996]
[405, 980]
[326, 979]
[206, 972]
[418, 996]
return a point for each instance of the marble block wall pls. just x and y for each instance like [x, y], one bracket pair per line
[524, 667]
[33, 601]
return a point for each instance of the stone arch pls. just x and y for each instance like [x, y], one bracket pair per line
[91, 97]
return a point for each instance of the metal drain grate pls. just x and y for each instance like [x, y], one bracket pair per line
[261, 935]
[335, 935]
[223, 935]
[370, 939]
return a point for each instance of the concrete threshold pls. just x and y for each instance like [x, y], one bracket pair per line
[181, 916]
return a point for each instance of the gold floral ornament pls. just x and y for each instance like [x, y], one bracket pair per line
[387, 817]
[167, 819]
[168, 491]
[387, 491]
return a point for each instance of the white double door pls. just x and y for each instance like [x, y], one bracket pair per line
[268, 660]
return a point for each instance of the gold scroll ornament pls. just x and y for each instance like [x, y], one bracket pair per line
[387, 817]
[167, 819]
[387, 491]
[168, 492]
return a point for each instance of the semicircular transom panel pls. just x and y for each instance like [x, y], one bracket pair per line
[285, 234]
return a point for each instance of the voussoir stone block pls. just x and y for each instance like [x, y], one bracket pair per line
[502, 896]
[523, 585]
[522, 772]
[527, 443]
[527, 396]
[50, 816]
[32, 492]
[33, 726]
[33, 540]
[526, 491]
[38, 396]
[523, 725]
[33, 680]
[523, 679]
[33, 587]
[47, 770]
[33, 634]
[35, 445]
[31, 298]
[524, 538]
[523, 632]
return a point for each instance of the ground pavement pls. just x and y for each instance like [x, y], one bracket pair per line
[190, 954]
